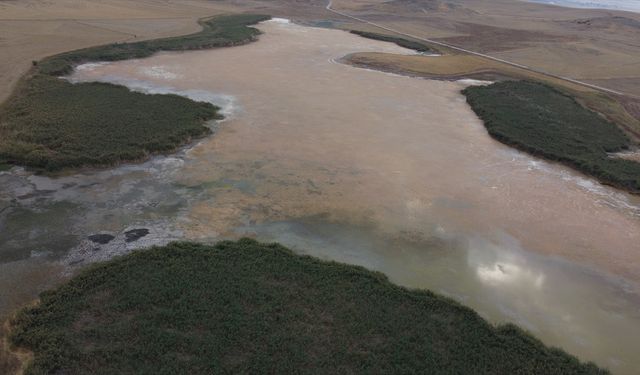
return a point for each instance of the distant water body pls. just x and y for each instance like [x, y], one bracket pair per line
[627, 5]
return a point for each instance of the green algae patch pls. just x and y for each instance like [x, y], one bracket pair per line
[51, 124]
[247, 307]
[545, 122]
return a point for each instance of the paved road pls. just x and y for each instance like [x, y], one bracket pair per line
[528, 68]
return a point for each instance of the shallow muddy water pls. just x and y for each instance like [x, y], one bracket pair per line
[393, 173]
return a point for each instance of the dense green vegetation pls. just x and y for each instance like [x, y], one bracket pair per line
[246, 307]
[51, 124]
[59, 125]
[406, 43]
[545, 122]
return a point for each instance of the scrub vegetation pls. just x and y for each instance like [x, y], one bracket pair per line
[402, 42]
[542, 121]
[247, 307]
[51, 124]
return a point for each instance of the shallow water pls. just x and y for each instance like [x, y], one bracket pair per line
[393, 173]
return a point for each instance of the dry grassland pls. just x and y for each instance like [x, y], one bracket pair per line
[597, 46]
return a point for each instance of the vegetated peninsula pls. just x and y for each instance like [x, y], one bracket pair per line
[543, 121]
[247, 307]
[402, 42]
[51, 124]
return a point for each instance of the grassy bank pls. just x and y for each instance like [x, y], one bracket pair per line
[545, 122]
[51, 124]
[246, 307]
[402, 42]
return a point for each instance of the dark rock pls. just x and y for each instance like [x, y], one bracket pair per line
[135, 234]
[101, 238]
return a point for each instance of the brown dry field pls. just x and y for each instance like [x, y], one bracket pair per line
[598, 46]
[595, 46]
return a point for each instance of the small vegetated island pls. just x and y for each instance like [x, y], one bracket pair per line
[545, 122]
[50, 124]
[247, 307]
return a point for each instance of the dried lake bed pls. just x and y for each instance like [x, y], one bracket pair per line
[393, 173]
